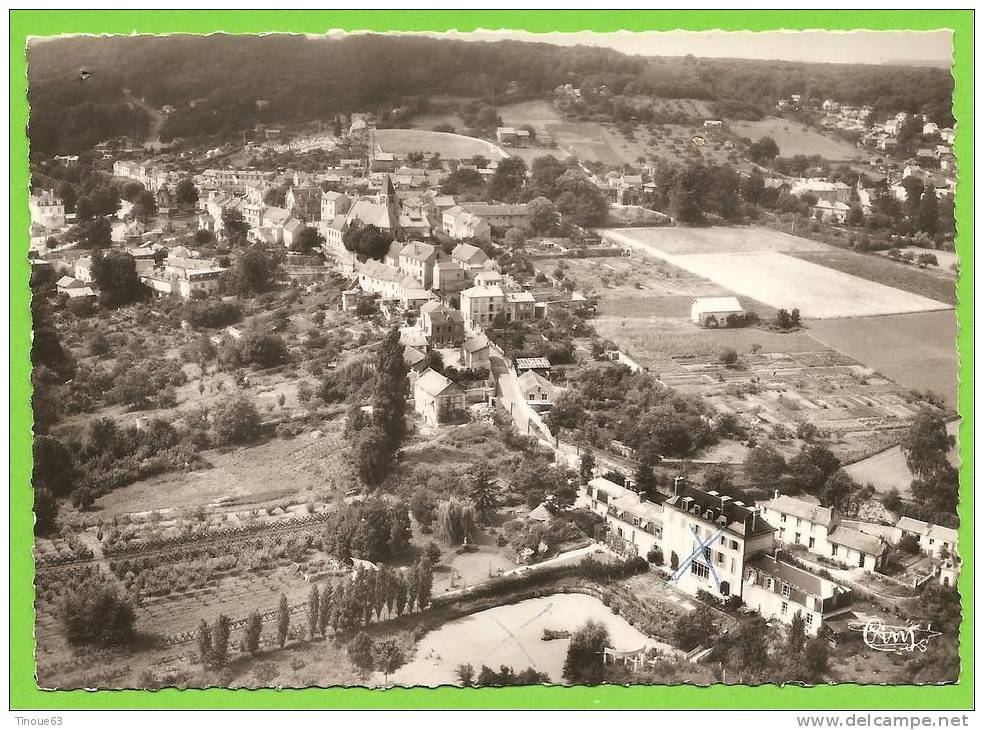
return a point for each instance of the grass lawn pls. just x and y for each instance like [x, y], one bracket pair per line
[795, 138]
[929, 282]
[451, 146]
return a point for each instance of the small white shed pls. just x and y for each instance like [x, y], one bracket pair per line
[714, 311]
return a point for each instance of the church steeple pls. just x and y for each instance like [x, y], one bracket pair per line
[392, 203]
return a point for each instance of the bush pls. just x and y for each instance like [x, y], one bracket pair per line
[235, 421]
[96, 614]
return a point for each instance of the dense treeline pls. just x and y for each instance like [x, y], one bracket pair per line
[226, 75]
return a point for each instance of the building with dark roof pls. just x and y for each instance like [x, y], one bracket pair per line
[780, 590]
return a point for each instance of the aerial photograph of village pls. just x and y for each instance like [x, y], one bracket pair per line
[418, 360]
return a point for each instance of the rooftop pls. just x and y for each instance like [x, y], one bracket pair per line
[720, 510]
[800, 508]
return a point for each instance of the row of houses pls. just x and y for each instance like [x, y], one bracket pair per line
[720, 546]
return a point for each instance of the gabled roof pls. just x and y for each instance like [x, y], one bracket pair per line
[531, 378]
[469, 254]
[412, 356]
[68, 281]
[433, 383]
[476, 343]
[419, 251]
[800, 508]
[868, 544]
[532, 363]
[487, 209]
[717, 304]
[938, 532]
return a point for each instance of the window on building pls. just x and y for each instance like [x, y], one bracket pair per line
[785, 608]
[797, 538]
[700, 570]
[772, 584]
[833, 550]
[734, 545]
[809, 619]
[813, 541]
[786, 590]
[782, 518]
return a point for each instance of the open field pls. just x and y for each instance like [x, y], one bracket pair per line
[450, 146]
[676, 241]
[818, 292]
[915, 350]
[300, 469]
[795, 138]
[931, 282]
[757, 266]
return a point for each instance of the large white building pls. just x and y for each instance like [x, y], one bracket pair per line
[47, 210]
[820, 531]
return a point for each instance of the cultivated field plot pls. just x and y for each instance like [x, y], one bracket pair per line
[932, 282]
[450, 146]
[860, 412]
[915, 350]
[795, 138]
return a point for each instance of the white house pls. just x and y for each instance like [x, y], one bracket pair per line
[714, 311]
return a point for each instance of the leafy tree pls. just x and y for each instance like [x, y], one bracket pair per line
[314, 611]
[325, 607]
[423, 507]
[144, 206]
[220, 640]
[927, 444]
[580, 199]
[95, 234]
[95, 613]
[45, 511]
[544, 216]
[796, 636]
[306, 239]
[262, 349]
[235, 420]
[749, 647]
[115, 275]
[367, 240]
[838, 491]
[185, 193]
[234, 226]
[372, 455]
[585, 654]
[815, 660]
[483, 491]
[507, 181]
[387, 657]
[765, 150]
[360, 653]
[283, 621]
[455, 522]
[204, 639]
[390, 388]
[587, 466]
[252, 632]
[54, 466]
[253, 272]
[694, 628]
[465, 674]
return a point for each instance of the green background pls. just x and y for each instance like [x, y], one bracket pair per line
[23, 690]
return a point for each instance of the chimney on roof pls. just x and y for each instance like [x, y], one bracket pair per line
[775, 494]
[677, 481]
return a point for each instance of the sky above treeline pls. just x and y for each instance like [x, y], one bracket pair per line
[930, 48]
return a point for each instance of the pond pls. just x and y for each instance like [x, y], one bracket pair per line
[512, 636]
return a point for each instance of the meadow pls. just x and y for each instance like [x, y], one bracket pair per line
[449, 146]
[795, 138]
